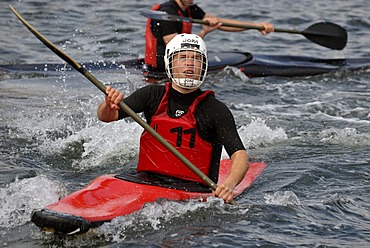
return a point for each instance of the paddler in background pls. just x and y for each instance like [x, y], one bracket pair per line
[192, 120]
[159, 33]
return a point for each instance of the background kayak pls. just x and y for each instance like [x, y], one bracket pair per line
[252, 65]
[312, 131]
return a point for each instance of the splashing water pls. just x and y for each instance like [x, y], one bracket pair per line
[98, 145]
[22, 196]
[157, 215]
[347, 136]
[283, 198]
[258, 134]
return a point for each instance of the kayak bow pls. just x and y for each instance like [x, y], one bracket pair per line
[111, 196]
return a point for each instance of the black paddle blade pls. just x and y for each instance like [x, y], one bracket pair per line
[163, 16]
[327, 34]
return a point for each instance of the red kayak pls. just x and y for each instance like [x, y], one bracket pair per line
[110, 196]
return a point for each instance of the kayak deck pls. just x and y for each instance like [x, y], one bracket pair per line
[108, 197]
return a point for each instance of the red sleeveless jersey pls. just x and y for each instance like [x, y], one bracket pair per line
[151, 40]
[181, 133]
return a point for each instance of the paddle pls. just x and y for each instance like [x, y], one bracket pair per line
[122, 105]
[326, 34]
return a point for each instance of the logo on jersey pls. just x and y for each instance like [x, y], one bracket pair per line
[179, 113]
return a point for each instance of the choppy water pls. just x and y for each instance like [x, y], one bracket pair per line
[313, 132]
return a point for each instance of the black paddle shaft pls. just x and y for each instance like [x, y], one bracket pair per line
[326, 34]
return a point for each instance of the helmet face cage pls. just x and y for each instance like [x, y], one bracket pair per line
[186, 61]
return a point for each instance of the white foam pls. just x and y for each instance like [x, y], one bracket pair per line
[258, 134]
[156, 215]
[22, 196]
[282, 198]
[347, 136]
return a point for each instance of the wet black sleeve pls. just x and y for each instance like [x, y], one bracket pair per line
[163, 28]
[197, 12]
[214, 116]
[145, 100]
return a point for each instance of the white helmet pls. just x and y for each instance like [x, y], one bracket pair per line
[193, 69]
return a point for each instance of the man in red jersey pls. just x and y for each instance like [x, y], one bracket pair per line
[192, 120]
[159, 33]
